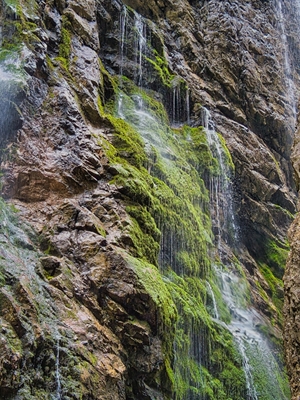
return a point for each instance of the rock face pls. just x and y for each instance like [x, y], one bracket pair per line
[87, 313]
[292, 285]
[291, 309]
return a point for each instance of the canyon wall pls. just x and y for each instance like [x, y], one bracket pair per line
[145, 153]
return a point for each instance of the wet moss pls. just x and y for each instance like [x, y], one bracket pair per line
[224, 313]
[127, 142]
[160, 65]
[265, 372]
[276, 256]
[161, 174]
[207, 362]
[18, 28]
[65, 45]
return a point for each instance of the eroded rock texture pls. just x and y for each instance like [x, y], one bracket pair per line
[292, 288]
[108, 334]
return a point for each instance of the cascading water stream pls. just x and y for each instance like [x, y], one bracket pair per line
[219, 185]
[243, 326]
[216, 184]
[286, 58]
[123, 25]
[134, 44]
[212, 295]
[252, 345]
[140, 46]
[134, 35]
[254, 348]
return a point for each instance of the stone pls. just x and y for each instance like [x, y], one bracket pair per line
[76, 302]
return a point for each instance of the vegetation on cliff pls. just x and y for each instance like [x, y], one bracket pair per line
[125, 209]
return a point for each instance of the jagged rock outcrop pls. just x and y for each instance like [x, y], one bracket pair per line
[113, 329]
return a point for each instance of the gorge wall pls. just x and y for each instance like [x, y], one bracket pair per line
[146, 169]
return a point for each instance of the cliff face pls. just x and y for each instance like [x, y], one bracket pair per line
[108, 286]
[292, 284]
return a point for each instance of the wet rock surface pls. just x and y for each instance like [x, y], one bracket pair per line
[108, 333]
[240, 76]
[291, 309]
[292, 291]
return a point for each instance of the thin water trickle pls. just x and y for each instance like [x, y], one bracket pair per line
[176, 104]
[251, 391]
[188, 110]
[287, 61]
[57, 370]
[140, 45]
[213, 139]
[180, 110]
[123, 25]
[212, 295]
[221, 200]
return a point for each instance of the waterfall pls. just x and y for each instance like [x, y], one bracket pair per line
[135, 50]
[251, 391]
[132, 38]
[251, 343]
[219, 186]
[212, 295]
[166, 163]
[133, 43]
[241, 326]
[123, 25]
[254, 348]
[180, 110]
[140, 46]
[286, 58]
[188, 110]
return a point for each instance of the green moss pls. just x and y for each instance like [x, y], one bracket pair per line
[199, 341]
[160, 65]
[162, 174]
[224, 313]
[265, 372]
[127, 142]
[276, 255]
[275, 290]
[226, 152]
[153, 283]
[100, 106]
[163, 186]
[20, 22]
[65, 42]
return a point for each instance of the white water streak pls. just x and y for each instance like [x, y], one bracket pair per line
[212, 295]
[123, 24]
[286, 56]
[57, 370]
[140, 45]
